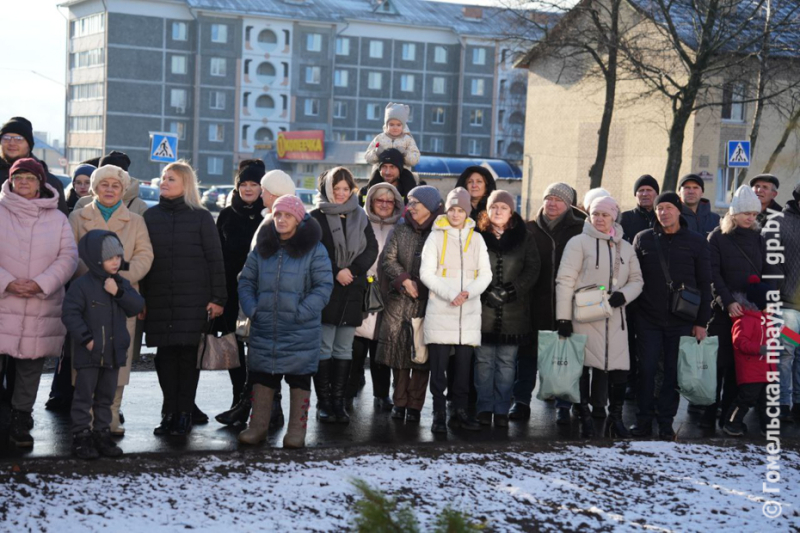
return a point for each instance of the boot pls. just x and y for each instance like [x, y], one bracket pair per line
[439, 422]
[598, 411]
[519, 411]
[239, 413]
[383, 404]
[83, 446]
[340, 373]
[105, 444]
[587, 424]
[614, 426]
[20, 430]
[796, 412]
[182, 425]
[485, 418]
[709, 418]
[734, 422]
[412, 415]
[642, 429]
[276, 418]
[116, 427]
[259, 421]
[786, 415]
[398, 413]
[166, 424]
[562, 416]
[198, 416]
[322, 386]
[665, 431]
[462, 419]
[298, 418]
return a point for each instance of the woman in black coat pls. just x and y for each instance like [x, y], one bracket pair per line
[237, 224]
[350, 241]
[184, 289]
[479, 182]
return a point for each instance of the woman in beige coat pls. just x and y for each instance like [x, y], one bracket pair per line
[600, 258]
[109, 212]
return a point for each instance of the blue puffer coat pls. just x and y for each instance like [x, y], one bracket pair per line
[283, 288]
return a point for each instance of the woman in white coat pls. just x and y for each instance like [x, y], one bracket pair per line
[455, 268]
[599, 258]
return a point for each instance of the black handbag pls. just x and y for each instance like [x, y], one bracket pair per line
[684, 301]
[373, 299]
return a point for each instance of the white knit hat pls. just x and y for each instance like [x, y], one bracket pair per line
[593, 194]
[110, 171]
[278, 182]
[397, 112]
[745, 201]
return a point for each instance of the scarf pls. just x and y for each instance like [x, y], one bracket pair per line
[551, 224]
[251, 211]
[347, 247]
[107, 211]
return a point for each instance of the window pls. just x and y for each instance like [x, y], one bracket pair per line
[179, 64]
[409, 51]
[373, 112]
[501, 144]
[340, 135]
[87, 58]
[339, 109]
[313, 42]
[407, 82]
[82, 154]
[177, 99]
[265, 101]
[725, 178]
[375, 80]
[313, 75]
[87, 123]
[732, 105]
[218, 65]
[215, 166]
[312, 107]
[477, 87]
[341, 78]
[410, 114]
[266, 70]
[437, 144]
[179, 31]
[479, 56]
[476, 117]
[264, 134]
[504, 57]
[216, 133]
[474, 147]
[86, 91]
[438, 115]
[438, 85]
[267, 37]
[178, 128]
[440, 54]
[342, 46]
[502, 87]
[376, 49]
[88, 25]
[501, 115]
[217, 100]
[219, 33]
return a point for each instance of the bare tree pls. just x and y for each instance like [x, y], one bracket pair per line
[792, 125]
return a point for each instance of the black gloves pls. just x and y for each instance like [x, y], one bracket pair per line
[511, 292]
[564, 328]
[617, 299]
[497, 295]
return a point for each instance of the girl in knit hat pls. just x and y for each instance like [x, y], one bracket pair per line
[81, 185]
[395, 135]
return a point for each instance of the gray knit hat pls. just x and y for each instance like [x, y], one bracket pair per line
[111, 248]
[427, 196]
[458, 197]
[560, 190]
[397, 112]
[745, 201]
[503, 197]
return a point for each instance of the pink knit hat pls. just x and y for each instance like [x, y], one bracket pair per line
[289, 203]
[605, 204]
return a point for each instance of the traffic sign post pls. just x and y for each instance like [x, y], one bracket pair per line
[739, 154]
[163, 147]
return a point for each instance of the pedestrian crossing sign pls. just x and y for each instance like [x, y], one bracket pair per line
[739, 154]
[163, 147]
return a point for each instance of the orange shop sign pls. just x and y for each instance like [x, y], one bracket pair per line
[307, 145]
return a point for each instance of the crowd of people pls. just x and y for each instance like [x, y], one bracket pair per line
[446, 293]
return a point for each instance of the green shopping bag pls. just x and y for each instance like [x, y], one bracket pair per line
[697, 370]
[560, 366]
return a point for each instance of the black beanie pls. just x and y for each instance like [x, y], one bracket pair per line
[648, 180]
[670, 198]
[692, 177]
[20, 126]
[757, 292]
[392, 156]
[250, 170]
[118, 159]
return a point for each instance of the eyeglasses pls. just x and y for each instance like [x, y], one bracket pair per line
[22, 179]
[12, 138]
[413, 203]
[384, 202]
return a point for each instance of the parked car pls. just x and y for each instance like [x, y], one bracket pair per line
[66, 181]
[149, 195]
[210, 197]
[309, 198]
[224, 199]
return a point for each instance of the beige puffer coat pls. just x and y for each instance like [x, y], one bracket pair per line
[589, 260]
[383, 141]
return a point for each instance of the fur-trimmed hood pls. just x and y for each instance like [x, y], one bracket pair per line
[510, 239]
[308, 234]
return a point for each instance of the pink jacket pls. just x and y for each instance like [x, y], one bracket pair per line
[37, 244]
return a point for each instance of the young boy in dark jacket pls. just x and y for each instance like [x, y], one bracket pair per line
[750, 357]
[95, 311]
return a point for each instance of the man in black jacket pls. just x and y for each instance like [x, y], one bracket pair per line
[766, 188]
[696, 210]
[686, 257]
[390, 170]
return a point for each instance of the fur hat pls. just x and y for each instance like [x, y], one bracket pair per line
[289, 203]
[278, 183]
[562, 191]
[503, 197]
[251, 170]
[590, 196]
[110, 171]
[744, 201]
[118, 159]
[458, 197]
[427, 196]
[396, 112]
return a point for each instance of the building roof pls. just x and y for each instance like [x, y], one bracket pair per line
[493, 22]
[435, 166]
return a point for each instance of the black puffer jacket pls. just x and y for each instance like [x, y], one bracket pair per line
[687, 256]
[92, 314]
[346, 303]
[703, 221]
[636, 220]
[515, 268]
[236, 224]
[491, 185]
[550, 246]
[764, 215]
[405, 183]
[188, 273]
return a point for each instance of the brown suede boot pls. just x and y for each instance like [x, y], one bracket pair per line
[298, 418]
[259, 421]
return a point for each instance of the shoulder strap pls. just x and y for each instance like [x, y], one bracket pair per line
[663, 261]
[736, 244]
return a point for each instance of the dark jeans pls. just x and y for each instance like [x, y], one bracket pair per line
[657, 343]
[720, 327]
[612, 377]
[178, 376]
[633, 353]
[472, 397]
[525, 379]
[752, 395]
[273, 381]
[381, 374]
[94, 394]
[439, 358]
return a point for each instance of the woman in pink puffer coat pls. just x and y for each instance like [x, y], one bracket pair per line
[37, 259]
